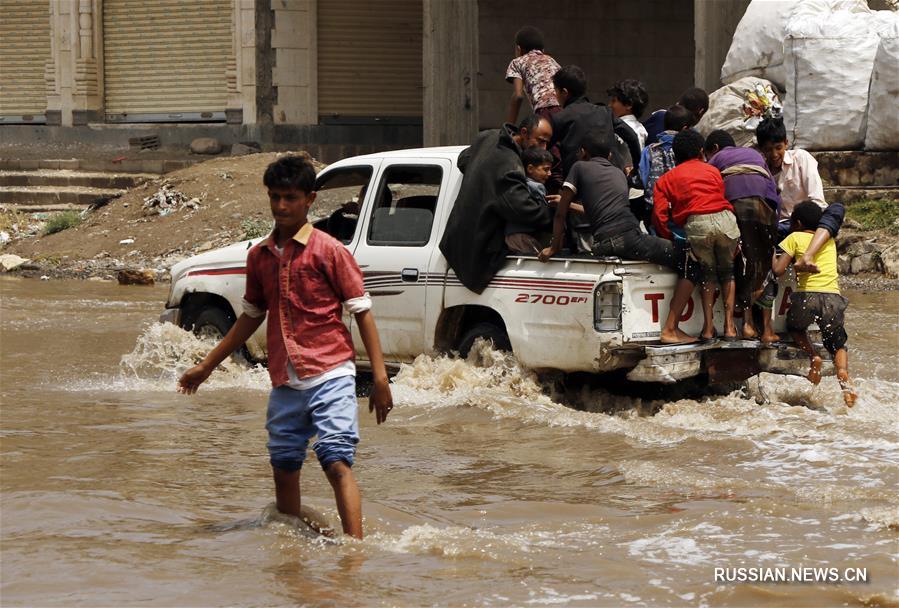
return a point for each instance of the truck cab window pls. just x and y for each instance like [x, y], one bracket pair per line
[403, 213]
[339, 198]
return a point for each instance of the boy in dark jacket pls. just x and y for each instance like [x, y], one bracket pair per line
[580, 116]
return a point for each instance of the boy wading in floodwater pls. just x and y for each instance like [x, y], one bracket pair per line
[817, 299]
[302, 277]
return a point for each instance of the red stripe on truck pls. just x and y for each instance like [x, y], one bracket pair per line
[218, 271]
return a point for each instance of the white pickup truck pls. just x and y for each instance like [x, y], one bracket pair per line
[574, 314]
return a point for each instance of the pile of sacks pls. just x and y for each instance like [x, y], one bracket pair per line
[836, 62]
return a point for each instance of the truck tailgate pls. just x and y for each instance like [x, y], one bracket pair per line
[646, 297]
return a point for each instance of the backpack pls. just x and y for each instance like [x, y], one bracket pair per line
[661, 160]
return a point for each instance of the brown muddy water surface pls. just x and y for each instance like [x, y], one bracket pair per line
[480, 489]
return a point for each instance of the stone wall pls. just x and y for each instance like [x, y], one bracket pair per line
[865, 252]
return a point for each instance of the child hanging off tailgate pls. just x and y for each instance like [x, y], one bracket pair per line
[303, 278]
[817, 298]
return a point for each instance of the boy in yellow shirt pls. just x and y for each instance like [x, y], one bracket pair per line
[817, 298]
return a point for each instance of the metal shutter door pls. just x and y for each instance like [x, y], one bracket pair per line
[24, 52]
[165, 59]
[369, 58]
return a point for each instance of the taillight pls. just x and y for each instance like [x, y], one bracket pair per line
[607, 306]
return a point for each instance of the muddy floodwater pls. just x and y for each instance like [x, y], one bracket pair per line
[482, 489]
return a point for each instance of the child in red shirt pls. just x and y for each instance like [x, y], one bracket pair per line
[691, 195]
[303, 278]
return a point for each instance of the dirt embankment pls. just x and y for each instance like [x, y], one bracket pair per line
[208, 205]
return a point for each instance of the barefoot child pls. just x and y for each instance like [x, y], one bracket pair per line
[302, 278]
[817, 299]
[692, 196]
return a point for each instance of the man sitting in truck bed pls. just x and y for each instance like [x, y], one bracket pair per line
[494, 191]
[604, 191]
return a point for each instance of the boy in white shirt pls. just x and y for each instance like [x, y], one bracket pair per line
[795, 171]
[628, 99]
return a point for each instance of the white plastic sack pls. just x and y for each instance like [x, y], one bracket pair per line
[726, 111]
[829, 57]
[757, 47]
[758, 43]
[883, 107]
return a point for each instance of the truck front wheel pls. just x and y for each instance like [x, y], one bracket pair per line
[212, 323]
[488, 331]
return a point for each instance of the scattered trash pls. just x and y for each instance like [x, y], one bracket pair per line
[98, 203]
[4, 236]
[45, 277]
[225, 175]
[126, 241]
[167, 200]
[10, 261]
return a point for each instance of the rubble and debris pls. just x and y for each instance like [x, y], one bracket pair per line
[244, 148]
[167, 200]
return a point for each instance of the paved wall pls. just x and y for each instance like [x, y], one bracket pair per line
[327, 143]
[651, 40]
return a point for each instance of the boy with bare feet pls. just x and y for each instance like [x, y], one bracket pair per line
[691, 195]
[304, 278]
[817, 298]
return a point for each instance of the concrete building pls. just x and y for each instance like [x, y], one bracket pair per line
[349, 74]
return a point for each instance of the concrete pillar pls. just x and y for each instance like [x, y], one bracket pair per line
[249, 75]
[294, 74]
[714, 22]
[74, 73]
[450, 66]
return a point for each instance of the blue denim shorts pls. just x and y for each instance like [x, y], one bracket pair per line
[329, 410]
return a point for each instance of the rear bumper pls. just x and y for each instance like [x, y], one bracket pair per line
[722, 361]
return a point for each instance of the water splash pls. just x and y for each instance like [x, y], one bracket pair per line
[522, 546]
[282, 524]
[162, 353]
[495, 382]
